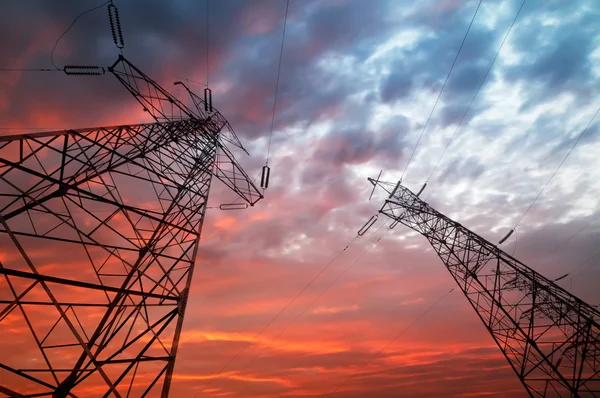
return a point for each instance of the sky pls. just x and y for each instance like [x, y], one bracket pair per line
[358, 81]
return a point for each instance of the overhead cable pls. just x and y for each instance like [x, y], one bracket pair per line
[312, 303]
[287, 6]
[385, 347]
[274, 318]
[558, 168]
[69, 28]
[476, 92]
[442, 89]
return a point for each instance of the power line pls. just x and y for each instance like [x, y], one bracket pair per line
[285, 307]
[557, 169]
[393, 340]
[442, 89]
[207, 43]
[585, 265]
[287, 6]
[313, 302]
[69, 28]
[477, 92]
[582, 268]
[29, 70]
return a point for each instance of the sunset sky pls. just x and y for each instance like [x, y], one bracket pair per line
[358, 81]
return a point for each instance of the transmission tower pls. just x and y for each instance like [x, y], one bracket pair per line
[550, 338]
[99, 234]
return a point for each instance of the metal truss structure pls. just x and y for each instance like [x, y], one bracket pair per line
[550, 338]
[99, 234]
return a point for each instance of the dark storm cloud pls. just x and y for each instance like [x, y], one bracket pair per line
[346, 147]
[463, 168]
[398, 85]
[252, 263]
[166, 40]
[306, 91]
[556, 56]
[561, 52]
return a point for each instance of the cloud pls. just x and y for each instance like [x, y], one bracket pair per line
[357, 84]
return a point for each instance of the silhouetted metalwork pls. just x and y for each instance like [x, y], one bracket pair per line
[100, 230]
[550, 338]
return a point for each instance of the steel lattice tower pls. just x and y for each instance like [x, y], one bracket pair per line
[550, 338]
[100, 230]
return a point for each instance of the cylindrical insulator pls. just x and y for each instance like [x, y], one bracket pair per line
[264, 180]
[422, 189]
[84, 70]
[368, 225]
[115, 26]
[233, 206]
[506, 237]
[393, 225]
[206, 90]
[561, 277]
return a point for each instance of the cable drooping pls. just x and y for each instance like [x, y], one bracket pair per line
[207, 44]
[285, 307]
[367, 250]
[558, 168]
[69, 28]
[584, 266]
[442, 89]
[29, 70]
[287, 6]
[477, 92]
[393, 340]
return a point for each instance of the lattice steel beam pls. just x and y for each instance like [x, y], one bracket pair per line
[550, 338]
[99, 230]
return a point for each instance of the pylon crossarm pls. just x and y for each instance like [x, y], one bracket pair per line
[205, 123]
[227, 134]
[230, 172]
[155, 100]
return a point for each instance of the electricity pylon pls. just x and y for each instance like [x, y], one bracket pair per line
[550, 338]
[100, 230]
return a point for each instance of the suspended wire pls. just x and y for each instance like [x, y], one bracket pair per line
[207, 43]
[584, 266]
[558, 168]
[69, 28]
[565, 242]
[29, 70]
[442, 89]
[192, 81]
[287, 6]
[478, 89]
[285, 307]
[393, 340]
[581, 269]
[367, 250]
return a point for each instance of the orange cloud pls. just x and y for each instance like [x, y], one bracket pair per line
[335, 310]
[226, 222]
[309, 346]
[234, 376]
